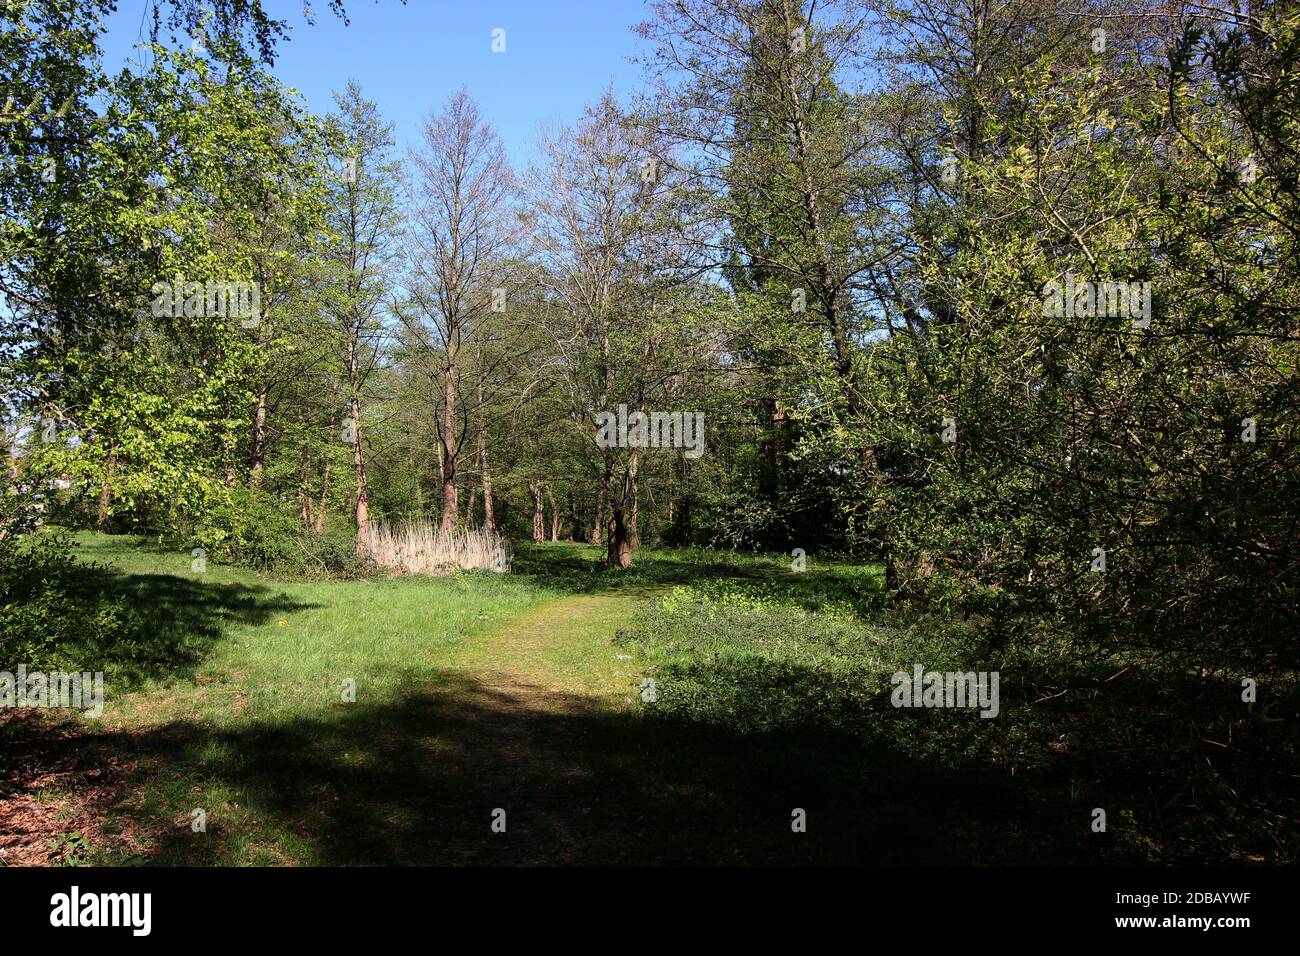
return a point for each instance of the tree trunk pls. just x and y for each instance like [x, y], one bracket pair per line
[304, 497]
[633, 537]
[358, 454]
[539, 533]
[363, 492]
[441, 488]
[489, 519]
[619, 553]
[106, 494]
[257, 452]
[324, 492]
[555, 515]
[450, 493]
[257, 447]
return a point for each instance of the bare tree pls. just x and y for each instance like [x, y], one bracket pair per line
[612, 249]
[460, 235]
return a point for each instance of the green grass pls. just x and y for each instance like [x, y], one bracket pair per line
[284, 648]
[233, 701]
[521, 691]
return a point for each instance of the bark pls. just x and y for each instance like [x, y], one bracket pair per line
[304, 499]
[363, 492]
[539, 534]
[362, 513]
[106, 494]
[555, 515]
[619, 553]
[257, 450]
[324, 492]
[450, 493]
[489, 519]
[633, 536]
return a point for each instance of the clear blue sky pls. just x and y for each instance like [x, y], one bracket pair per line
[409, 58]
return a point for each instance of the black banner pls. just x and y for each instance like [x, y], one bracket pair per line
[335, 906]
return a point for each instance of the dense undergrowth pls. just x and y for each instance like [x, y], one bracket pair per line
[1184, 768]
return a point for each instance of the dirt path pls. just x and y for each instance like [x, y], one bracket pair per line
[557, 651]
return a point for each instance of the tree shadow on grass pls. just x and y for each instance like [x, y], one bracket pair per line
[416, 781]
[160, 626]
[578, 570]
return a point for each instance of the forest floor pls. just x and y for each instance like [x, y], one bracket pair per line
[502, 719]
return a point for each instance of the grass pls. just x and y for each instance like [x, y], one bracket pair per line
[480, 691]
[283, 648]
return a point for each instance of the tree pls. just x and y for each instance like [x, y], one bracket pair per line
[460, 235]
[365, 218]
[614, 250]
[754, 95]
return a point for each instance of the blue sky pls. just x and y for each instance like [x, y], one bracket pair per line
[409, 58]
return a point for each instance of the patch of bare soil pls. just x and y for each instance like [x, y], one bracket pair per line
[55, 781]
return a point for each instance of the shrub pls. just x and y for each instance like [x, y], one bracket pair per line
[43, 615]
[250, 528]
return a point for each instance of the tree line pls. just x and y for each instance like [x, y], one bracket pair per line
[844, 233]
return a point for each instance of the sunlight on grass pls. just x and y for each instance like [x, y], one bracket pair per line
[244, 678]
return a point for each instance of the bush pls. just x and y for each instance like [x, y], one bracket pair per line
[43, 616]
[251, 529]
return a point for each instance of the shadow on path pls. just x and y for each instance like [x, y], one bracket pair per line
[416, 782]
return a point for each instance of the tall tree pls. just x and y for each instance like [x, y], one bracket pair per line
[459, 238]
[615, 252]
[365, 218]
[759, 96]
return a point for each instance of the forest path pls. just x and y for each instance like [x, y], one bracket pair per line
[556, 651]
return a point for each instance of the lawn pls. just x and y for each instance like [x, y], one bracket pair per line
[525, 693]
